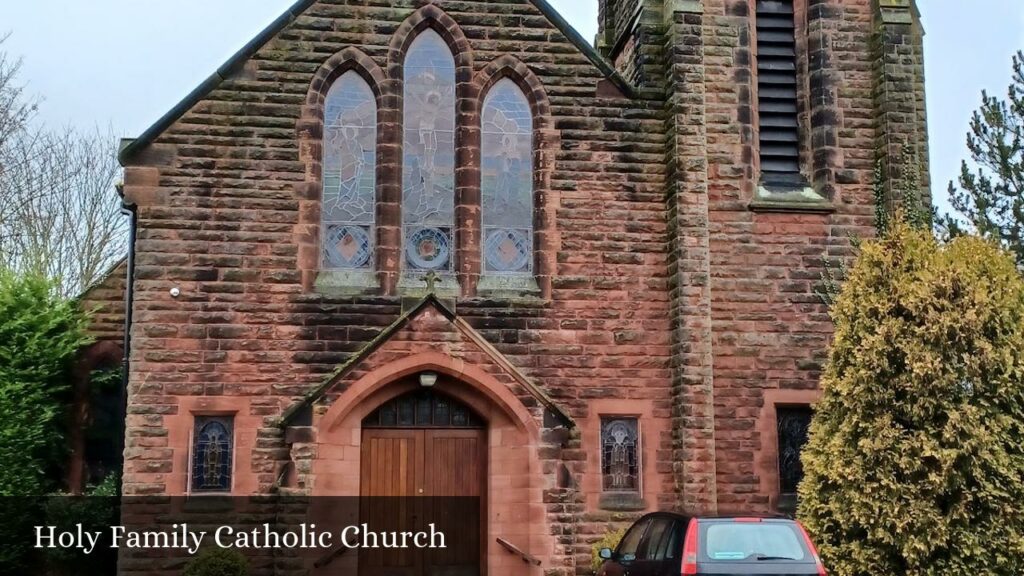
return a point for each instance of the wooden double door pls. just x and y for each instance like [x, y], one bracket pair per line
[423, 462]
[412, 477]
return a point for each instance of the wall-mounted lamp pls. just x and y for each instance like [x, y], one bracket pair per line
[428, 379]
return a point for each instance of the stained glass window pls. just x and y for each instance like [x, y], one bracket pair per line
[428, 163]
[506, 171]
[212, 453]
[793, 423]
[349, 178]
[423, 409]
[620, 455]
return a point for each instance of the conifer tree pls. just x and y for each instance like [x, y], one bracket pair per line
[915, 462]
[990, 194]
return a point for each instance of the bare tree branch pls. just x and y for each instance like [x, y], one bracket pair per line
[59, 212]
[16, 111]
[15, 108]
[65, 222]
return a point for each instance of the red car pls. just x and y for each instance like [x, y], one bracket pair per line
[666, 544]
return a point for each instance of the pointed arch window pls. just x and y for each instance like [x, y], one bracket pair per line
[349, 174]
[506, 170]
[212, 458]
[428, 150]
[423, 408]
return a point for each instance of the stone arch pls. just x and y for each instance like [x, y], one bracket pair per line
[546, 140]
[350, 58]
[430, 16]
[310, 128]
[355, 399]
[515, 485]
[508, 66]
[467, 254]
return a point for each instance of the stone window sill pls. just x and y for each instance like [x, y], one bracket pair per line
[347, 282]
[804, 199]
[502, 287]
[622, 502]
[209, 502]
[787, 503]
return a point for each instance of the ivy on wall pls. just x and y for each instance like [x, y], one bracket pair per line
[908, 208]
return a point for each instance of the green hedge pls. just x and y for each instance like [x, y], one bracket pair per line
[218, 562]
[39, 336]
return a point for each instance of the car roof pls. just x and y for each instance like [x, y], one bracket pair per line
[725, 517]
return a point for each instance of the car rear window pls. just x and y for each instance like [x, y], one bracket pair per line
[739, 541]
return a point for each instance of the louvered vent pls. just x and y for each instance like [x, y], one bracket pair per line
[776, 93]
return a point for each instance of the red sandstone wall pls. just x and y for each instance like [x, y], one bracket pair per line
[633, 191]
[771, 331]
[104, 302]
[223, 205]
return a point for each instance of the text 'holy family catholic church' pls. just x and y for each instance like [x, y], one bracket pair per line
[450, 248]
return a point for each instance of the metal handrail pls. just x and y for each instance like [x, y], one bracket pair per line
[525, 557]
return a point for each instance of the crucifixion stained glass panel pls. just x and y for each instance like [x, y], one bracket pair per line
[506, 167]
[428, 150]
[349, 174]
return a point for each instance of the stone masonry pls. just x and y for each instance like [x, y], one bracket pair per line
[669, 287]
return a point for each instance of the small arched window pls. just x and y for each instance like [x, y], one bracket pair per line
[212, 454]
[349, 174]
[428, 150]
[506, 167]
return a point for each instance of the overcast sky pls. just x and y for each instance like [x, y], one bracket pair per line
[124, 63]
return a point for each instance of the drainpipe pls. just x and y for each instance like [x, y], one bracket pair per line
[131, 212]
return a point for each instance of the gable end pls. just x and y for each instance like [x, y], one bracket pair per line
[130, 147]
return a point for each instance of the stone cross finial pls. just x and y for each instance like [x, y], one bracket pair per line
[431, 279]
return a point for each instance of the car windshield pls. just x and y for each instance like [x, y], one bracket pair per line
[752, 541]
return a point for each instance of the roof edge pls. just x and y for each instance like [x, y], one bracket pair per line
[500, 359]
[134, 146]
[584, 46]
[315, 394]
[101, 278]
[297, 409]
[212, 82]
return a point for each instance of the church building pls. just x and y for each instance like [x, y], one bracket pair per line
[453, 248]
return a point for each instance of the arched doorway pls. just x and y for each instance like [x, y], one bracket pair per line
[423, 461]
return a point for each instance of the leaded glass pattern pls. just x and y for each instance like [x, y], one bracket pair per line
[349, 174]
[428, 153]
[506, 180]
[793, 426]
[212, 444]
[423, 409]
[620, 454]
